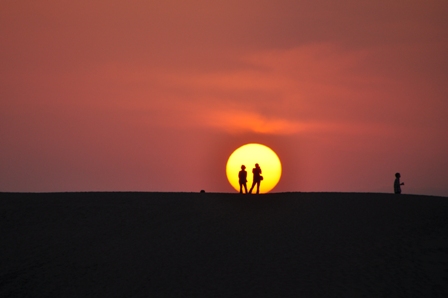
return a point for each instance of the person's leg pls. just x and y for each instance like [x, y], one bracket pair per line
[245, 187]
[241, 187]
[253, 184]
[258, 187]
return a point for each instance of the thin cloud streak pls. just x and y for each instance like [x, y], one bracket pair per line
[237, 122]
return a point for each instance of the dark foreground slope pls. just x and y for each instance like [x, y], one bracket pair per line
[223, 245]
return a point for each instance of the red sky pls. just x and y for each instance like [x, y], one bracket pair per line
[155, 95]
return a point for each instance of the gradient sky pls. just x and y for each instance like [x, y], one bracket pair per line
[155, 95]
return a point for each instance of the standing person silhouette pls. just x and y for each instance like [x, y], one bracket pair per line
[242, 177]
[397, 184]
[257, 178]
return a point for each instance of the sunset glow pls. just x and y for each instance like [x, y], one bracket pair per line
[155, 95]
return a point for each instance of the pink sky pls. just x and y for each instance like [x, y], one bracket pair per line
[155, 95]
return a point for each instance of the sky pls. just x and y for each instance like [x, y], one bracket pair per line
[142, 95]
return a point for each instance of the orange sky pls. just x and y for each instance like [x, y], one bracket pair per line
[155, 95]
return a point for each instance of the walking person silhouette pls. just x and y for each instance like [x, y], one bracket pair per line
[242, 177]
[257, 178]
[397, 184]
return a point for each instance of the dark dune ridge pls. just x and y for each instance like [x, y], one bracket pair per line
[223, 245]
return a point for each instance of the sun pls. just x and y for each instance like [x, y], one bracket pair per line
[249, 155]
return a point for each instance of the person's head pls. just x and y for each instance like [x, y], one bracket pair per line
[256, 165]
[397, 175]
[243, 167]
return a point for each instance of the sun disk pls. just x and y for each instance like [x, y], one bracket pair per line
[249, 155]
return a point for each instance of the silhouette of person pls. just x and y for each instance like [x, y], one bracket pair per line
[257, 178]
[397, 184]
[242, 176]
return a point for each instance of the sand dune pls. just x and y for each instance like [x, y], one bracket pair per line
[223, 245]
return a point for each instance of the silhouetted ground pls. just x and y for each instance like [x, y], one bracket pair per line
[223, 245]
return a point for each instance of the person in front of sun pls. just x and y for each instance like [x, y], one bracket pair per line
[242, 176]
[397, 184]
[257, 178]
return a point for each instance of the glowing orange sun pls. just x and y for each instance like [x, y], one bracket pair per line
[249, 155]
